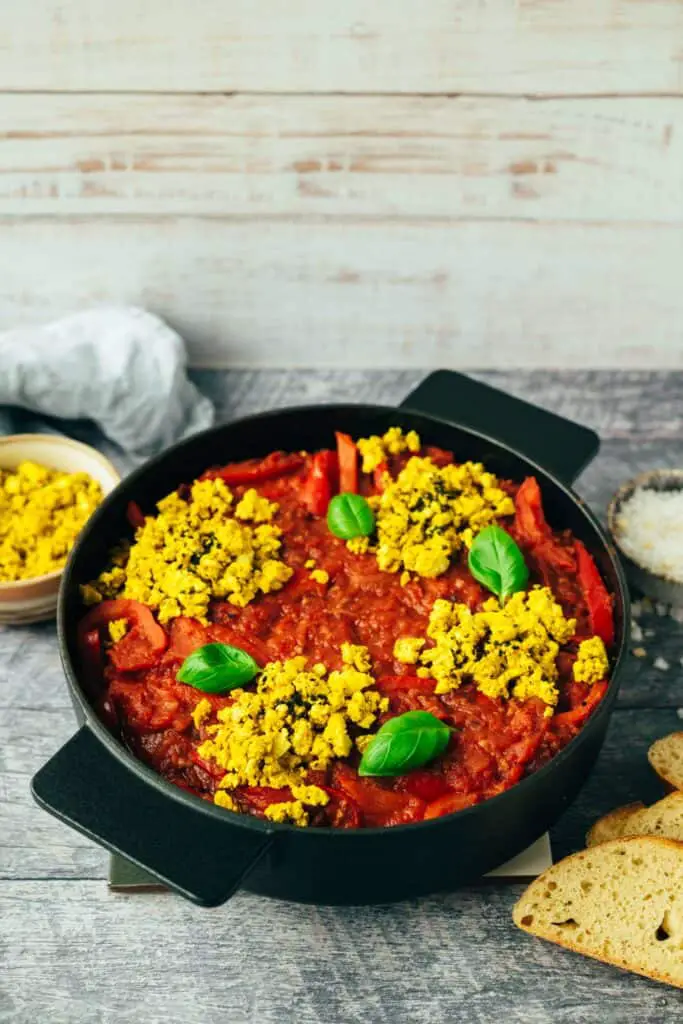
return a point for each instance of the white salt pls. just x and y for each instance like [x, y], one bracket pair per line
[661, 663]
[650, 525]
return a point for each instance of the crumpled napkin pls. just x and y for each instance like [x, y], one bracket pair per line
[121, 367]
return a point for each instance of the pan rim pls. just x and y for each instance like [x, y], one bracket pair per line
[257, 825]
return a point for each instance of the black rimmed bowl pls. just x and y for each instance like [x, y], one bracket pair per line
[658, 586]
[205, 853]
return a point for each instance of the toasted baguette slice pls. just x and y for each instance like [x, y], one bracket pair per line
[613, 825]
[665, 818]
[620, 902]
[666, 757]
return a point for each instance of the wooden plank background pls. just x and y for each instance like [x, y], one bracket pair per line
[462, 182]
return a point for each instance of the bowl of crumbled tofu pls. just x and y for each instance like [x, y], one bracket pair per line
[645, 518]
[49, 487]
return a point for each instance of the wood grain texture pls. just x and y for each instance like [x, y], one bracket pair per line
[446, 960]
[373, 293]
[72, 953]
[489, 46]
[343, 156]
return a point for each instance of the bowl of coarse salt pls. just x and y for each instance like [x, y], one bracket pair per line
[645, 518]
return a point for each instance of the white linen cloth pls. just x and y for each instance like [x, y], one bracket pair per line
[121, 367]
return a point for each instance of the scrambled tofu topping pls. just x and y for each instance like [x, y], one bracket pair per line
[375, 450]
[297, 719]
[42, 511]
[407, 649]
[198, 549]
[117, 629]
[429, 512]
[592, 664]
[508, 651]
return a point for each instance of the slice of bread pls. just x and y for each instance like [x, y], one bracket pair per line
[666, 757]
[620, 902]
[613, 825]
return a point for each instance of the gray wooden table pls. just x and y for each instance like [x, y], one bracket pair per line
[72, 952]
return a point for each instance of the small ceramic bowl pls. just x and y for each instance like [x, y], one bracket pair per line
[35, 599]
[660, 588]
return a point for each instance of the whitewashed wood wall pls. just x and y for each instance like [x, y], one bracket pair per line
[315, 182]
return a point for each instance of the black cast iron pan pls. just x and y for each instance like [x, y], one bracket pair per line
[206, 853]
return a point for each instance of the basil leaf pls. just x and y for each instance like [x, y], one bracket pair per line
[214, 668]
[349, 515]
[497, 563]
[404, 743]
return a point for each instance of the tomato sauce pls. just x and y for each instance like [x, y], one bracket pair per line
[495, 742]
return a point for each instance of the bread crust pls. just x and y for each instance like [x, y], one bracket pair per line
[610, 825]
[659, 756]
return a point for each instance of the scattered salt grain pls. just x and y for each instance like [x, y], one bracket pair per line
[679, 712]
[661, 663]
[637, 609]
[636, 631]
[661, 609]
[677, 615]
[649, 633]
[650, 525]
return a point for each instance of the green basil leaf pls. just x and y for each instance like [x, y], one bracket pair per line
[497, 563]
[349, 515]
[215, 668]
[404, 743]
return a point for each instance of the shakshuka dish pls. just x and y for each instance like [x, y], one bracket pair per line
[366, 636]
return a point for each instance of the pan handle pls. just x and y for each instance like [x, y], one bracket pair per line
[556, 444]
[197, 855]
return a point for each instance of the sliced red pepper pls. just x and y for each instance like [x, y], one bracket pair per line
[261, 797]
[428, 786]
[142, 644]
[578, 715]
[186, 635]
[379, 806]
[254, 471]
[378, 477]
[320, 483]
[399, 684]
[341, 811]
[449, 804]
[530, 522]
[595, 592]
[531, 528]
[134, 515]
[347, 454]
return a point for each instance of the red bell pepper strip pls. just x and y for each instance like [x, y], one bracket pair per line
[401, 684]
[595, 592]
[134, 515]
[341, 811]
[531, 528]
[141, 645]
[347, 454]
[379, 806]
[449, 804]
[529, 519]
[261, 797]
[186, 635]
[378, 477]
[578, 715]
[428, 786]
[320, 483]
[255, 471]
